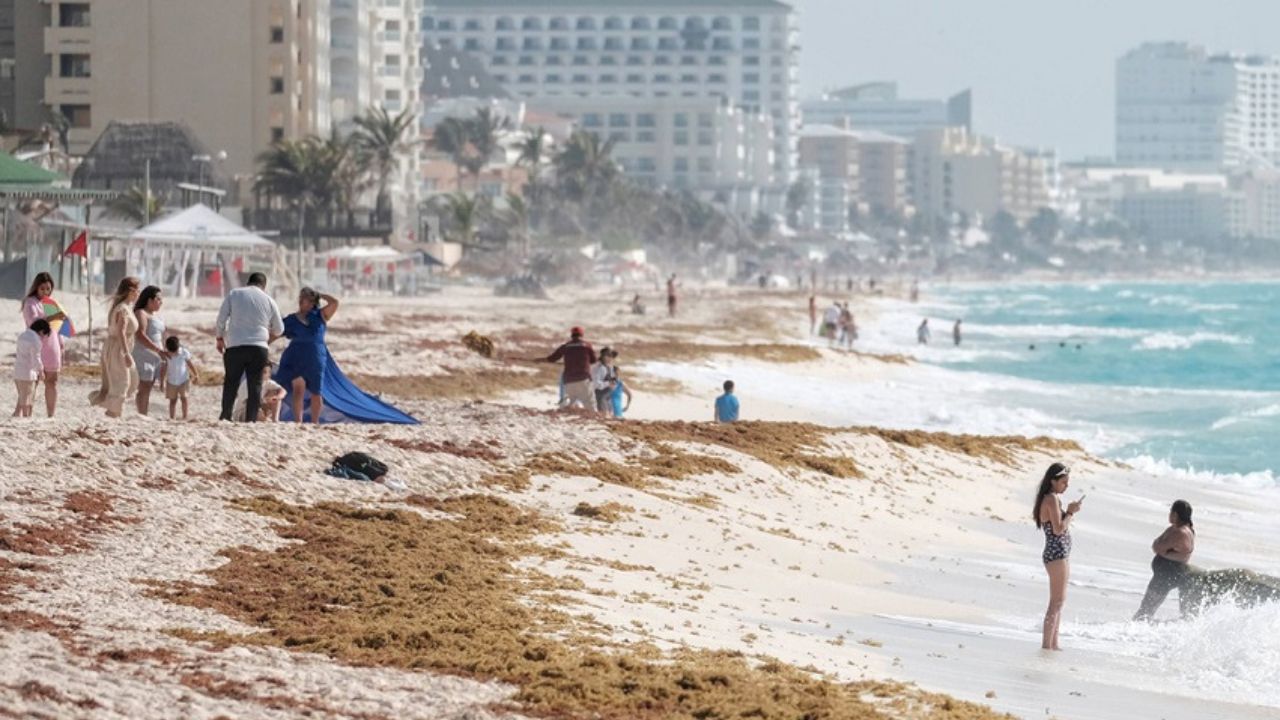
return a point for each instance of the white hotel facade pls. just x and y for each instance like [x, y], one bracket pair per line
[728, 64]
[1180, 108]
[374, 49]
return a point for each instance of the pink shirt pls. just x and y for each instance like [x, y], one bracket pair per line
[51, 347]
[27, 363]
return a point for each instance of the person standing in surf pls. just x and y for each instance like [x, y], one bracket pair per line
[1056, 523]
[1172, 553]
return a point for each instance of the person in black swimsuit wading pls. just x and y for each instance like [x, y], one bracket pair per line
[1056, 523]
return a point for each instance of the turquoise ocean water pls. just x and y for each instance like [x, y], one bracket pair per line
[1181, 374]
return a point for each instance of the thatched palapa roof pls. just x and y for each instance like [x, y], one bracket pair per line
[118, 158]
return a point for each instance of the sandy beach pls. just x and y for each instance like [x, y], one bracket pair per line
[556, 565]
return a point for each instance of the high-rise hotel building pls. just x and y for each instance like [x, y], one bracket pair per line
[1180, 108]
[740, 52]
[241, 73]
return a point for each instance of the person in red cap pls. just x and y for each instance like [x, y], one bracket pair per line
[578, 357]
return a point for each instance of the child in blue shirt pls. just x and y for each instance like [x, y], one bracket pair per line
[727, 405]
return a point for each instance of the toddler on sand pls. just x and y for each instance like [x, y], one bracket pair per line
[178, 375]
[28, 365]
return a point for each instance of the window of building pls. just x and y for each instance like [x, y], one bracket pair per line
[751, 78]
[668, 44]
[585, 23]
[722, 44]
[501, 79]
[750, 96]
[581, 60]
[277, 34]
[681, 120]
[640, 23]
[591, 120]
[392, 95]
[662, 79]
[560, 43]
[751, 44]
[73, 14]
[662, 60]
[552, 60]
[428, 23]
[498, 60]
[614, 43]
[559, 23]
[721, 23]
[531, 23]
[646, 120]
[554, 79]
[751, 23]
[277, 86]
[445, 26]
[635, 79]
[608, 60]
[751, 60]
[688, 78]
[716, 60]
[277, 134]
[608, 79]
[474, 44]
[688, 60]
[645, 136]
[472, 25]
[75, 66]
[717, 79]
[681, 164]
[531, 43]
[613, 23]
[586, 43]
[581, 79]
[619, 120]
[704, 120]
[527, 79]
[635, 60]
[527, 60]
[704, 137]
[620, 137]
[704, 164]
[505, 23]
[646, 164]
[668, 23]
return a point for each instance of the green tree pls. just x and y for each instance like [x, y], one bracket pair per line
[461, 216]
[533, 153]
[1004, 231]
[452, 138]
[761, 227]
[380, 140]
[306, 174]
[1045, 226]
[484, 136]
[135, 206]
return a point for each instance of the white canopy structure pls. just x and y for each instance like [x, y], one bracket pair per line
[372, 269]
[196, 251]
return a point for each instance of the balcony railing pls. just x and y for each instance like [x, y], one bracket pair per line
[322, 223]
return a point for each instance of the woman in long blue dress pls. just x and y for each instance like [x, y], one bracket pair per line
[307, 369]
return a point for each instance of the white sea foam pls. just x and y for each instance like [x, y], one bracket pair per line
[1162, 468]
[1176, 341]
[1262, 412]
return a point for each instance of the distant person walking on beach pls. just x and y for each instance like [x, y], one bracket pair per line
[578, 357]
[915, 291]
[28, 365]
[1056, 523]
[119, 376]
[955, 332]
[671, 295]
[813, 313]
[637, 305]
[848, 328]
[248, 320]
[1172, 553]
[727, 405]
[922, 333]
[831, 322]
[36, 306]
[148, 351]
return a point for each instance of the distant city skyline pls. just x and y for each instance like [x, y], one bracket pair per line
[1042, 73]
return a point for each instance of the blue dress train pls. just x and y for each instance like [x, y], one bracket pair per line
[308, 357]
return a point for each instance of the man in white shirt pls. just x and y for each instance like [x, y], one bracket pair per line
[248, 320]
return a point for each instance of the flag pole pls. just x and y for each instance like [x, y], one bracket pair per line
[88, 276]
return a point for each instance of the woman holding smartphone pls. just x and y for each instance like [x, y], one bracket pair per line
[1056, 523]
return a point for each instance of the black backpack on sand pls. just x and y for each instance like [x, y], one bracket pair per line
[361, 463]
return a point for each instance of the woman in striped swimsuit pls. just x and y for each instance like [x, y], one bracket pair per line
[1056, 523]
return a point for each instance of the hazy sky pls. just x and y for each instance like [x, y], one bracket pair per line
[1041, 70]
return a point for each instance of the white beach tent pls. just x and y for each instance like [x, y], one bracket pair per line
[367, 269]
[196, 251]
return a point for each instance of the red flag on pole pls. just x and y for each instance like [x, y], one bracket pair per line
[332, 264]
[79, 246]
[368, 269]
[391, 267]
[238, 264]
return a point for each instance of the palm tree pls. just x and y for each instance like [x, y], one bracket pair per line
[451, 137]
[135, 206]
[515, 220]
[305, 174]
[460, 216]
[533, 151]
[484, 132]
[381, 140]
[585, 165]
